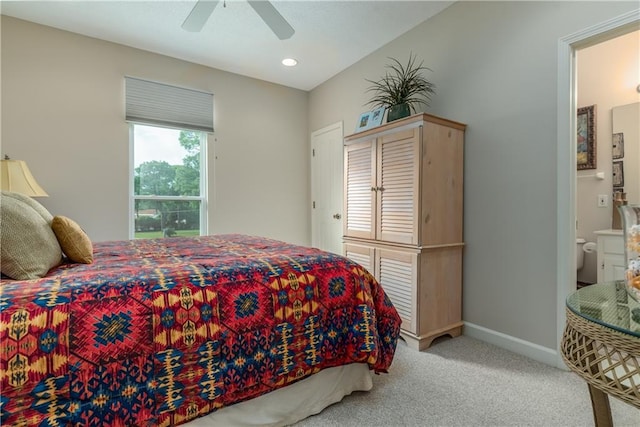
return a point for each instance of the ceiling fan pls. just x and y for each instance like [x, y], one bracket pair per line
[203, 9]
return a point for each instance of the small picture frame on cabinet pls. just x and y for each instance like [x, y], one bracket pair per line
[376, 117]
[363, 121]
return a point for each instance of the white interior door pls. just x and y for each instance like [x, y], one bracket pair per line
[327, 188]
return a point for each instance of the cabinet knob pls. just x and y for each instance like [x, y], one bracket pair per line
[374, 189]
[337, 216]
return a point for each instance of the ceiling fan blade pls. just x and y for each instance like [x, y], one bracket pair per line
[199, 15]
[273, 19]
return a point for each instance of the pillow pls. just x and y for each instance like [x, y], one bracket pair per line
[29, 201]
[75, 243]
[28, 246]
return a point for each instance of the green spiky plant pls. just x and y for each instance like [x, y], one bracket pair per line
[402, 85]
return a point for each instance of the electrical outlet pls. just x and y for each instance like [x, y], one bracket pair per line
[603, 200]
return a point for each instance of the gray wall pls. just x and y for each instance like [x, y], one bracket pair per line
[495, 68]
[63, 113]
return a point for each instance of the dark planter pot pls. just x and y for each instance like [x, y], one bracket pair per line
[398, 112]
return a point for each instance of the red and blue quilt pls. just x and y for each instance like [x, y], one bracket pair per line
[158, 332]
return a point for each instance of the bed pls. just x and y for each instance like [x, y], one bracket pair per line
[178, 330]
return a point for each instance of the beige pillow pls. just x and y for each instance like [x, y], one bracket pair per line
[74, 241]
[28, 246]
[44, 213]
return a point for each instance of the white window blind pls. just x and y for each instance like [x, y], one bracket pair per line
[166, 105]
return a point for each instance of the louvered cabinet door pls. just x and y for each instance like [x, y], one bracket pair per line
[397, 273]
[359, 194]
[363, 255]
[398, 176]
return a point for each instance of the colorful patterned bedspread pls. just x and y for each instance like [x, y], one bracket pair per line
[158, 332]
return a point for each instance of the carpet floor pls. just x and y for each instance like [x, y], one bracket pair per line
[467, 382]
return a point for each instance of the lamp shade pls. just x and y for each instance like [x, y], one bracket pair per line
[15, 176]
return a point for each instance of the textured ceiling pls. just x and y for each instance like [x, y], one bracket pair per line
[330, 35]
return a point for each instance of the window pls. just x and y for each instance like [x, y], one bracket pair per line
[168, 136]
[168, 182]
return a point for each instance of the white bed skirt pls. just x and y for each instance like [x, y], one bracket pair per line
[293, 403]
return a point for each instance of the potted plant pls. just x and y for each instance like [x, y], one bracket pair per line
[401, 89]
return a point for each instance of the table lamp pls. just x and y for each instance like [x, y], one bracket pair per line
[15, 176]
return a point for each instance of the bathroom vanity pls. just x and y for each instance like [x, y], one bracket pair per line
[611, 265]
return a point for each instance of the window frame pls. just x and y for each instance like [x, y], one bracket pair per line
[202, 198]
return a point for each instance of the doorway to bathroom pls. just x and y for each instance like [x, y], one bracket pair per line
[567, 146]
[607, 77]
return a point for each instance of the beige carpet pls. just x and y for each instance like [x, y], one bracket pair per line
[466, 382]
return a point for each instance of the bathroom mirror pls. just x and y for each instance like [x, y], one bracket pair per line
[626, 151]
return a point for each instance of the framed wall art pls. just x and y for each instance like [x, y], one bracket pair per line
[586, 142]
[618, 174]
[618, 145]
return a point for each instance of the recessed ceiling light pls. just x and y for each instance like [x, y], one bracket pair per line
[289, 62]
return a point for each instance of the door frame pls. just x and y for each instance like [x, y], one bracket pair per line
[566, 153]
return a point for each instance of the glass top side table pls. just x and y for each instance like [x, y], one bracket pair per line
[601, 343]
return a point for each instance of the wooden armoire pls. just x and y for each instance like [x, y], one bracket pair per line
[403, 205]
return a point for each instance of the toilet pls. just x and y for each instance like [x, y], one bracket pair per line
[580, 253]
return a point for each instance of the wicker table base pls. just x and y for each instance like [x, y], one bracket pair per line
[607, 359]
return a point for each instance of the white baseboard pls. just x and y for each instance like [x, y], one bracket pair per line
[533, 351]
